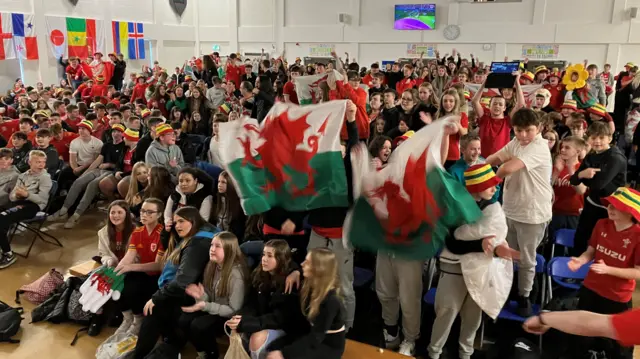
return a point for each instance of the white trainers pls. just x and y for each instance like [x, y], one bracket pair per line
[390, 341]
[407, 348]
[61, 214]
[134, 329]
[127, 320]
[72, 221]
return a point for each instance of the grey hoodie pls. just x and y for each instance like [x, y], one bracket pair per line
[38, 186]
[159, 155]
[228, 306]
[7, 181]
[598, 90]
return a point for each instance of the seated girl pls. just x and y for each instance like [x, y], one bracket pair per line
[142, 265]
[114, 236]
[184, 264]
[140, 173]
[269, 310]
[218, 298]
[229, 214]
[321, 305]
[193, 189]
[159, 186]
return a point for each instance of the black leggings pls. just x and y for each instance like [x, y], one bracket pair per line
[588, 218]
[138, 289]
[593, 302]
[162, 321]
[18, 211]
[201, 329]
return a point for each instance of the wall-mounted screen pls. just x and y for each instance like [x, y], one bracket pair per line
[415, 17]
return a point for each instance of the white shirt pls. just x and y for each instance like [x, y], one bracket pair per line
[214, 153]
[528, 192]
[86, 152]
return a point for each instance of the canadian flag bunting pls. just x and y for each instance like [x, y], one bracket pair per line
[18, 35]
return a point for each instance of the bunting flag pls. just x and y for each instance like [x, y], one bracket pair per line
[75, 37]
[291, 160]
[18, 35]
[308, 87]
[408, 207]
[128, 39]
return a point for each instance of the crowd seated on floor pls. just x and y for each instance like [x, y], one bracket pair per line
[146, 147]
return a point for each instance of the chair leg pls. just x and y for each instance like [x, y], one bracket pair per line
[37, 233]
[482, 331]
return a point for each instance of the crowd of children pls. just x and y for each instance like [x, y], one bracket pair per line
[194, 262]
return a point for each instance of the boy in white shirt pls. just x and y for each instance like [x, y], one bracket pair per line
[525, 164]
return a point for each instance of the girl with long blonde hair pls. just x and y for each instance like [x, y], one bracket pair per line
[450, 104]
[140, 180]
[218, 297]
[321, 305]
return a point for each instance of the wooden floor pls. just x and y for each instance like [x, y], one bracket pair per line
[49, 341]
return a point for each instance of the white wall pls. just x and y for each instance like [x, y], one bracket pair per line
[598, 30]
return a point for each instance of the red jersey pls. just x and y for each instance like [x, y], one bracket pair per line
[147, 245]
[568, 202]
[405, 84]
[616, 249]
[62, 146]
[75, 73]
[138, 92]
[369, 78]
[626, 327]
[160, 104]
[127, 162]
[7, 128]
[494, 133]
[359, 97]
[72, 123]
[290, 89]
[454, 140]
[234, 73]
[557, 96]
[99, 90]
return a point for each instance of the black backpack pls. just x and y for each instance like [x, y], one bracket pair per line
[10, 319]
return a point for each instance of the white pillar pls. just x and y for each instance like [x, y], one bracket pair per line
[539, 11]
[234, 21]
[196, 26]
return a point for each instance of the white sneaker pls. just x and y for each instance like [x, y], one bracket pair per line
[390, 341]
[407, 348]
[127, 320]
[134, 329]
[61, 214]
[72, 221]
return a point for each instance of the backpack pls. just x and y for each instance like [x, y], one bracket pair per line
[38, 291]
[10, 319]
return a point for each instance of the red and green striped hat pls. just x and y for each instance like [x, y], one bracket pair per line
[118, 127]
[478, 178]
[86, 124]
[625, 200]
[598, 110]
[163, 129]
[131, 135]
[570, 104]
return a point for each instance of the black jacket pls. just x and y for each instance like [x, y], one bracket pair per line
[276, 216]
[21, 157]
[189, 150]
[262, 105]
[193, 260]
[53, 161]
[119, 69]
[613, 173]
[143, 145]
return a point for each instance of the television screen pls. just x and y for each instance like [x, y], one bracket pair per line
[415, 17]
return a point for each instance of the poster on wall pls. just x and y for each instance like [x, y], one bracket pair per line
[321, 50]
[540, 51]
[414, 50]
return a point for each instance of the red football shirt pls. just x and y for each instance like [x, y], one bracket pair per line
[234, 73]
[454, 140]
[62, 146]
[626, 327]
[290, 89]
[7, 128]
[616, 249]
[494, 133]
[147, 245]
[128, 158]
[568, 202]
[74, 72]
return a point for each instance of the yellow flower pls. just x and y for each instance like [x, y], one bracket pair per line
[575, 77]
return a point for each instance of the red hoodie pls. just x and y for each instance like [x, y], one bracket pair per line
[138, 92]
[359, 97]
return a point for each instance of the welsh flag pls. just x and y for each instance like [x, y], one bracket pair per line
[408, 207]
[292, 159]
[308, 87]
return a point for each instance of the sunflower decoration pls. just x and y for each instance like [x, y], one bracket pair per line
[575, 77]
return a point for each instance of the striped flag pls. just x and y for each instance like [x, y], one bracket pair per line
[75, 36]
[128, 39]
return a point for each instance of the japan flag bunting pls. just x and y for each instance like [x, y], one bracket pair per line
[24, 36]
[6, 34]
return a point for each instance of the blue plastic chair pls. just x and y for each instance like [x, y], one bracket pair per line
[34, 225]
[563, 237]
[558, 272]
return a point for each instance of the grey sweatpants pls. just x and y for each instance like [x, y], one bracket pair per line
[525, 237]
[399, 285]
[452, 298]
[88, 182]
[344, 256]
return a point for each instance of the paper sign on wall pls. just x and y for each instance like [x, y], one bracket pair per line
[414, 50]
[321, 50]
[540, 51]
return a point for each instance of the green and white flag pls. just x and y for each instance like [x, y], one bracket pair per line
[408, 207]
[292, 160]
[308, 87]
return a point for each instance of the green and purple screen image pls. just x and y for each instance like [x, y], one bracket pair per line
[415, 17]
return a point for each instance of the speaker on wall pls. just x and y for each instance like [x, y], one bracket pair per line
[634, 12]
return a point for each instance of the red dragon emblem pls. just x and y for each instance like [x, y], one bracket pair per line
[405, 216]
[279, 152]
